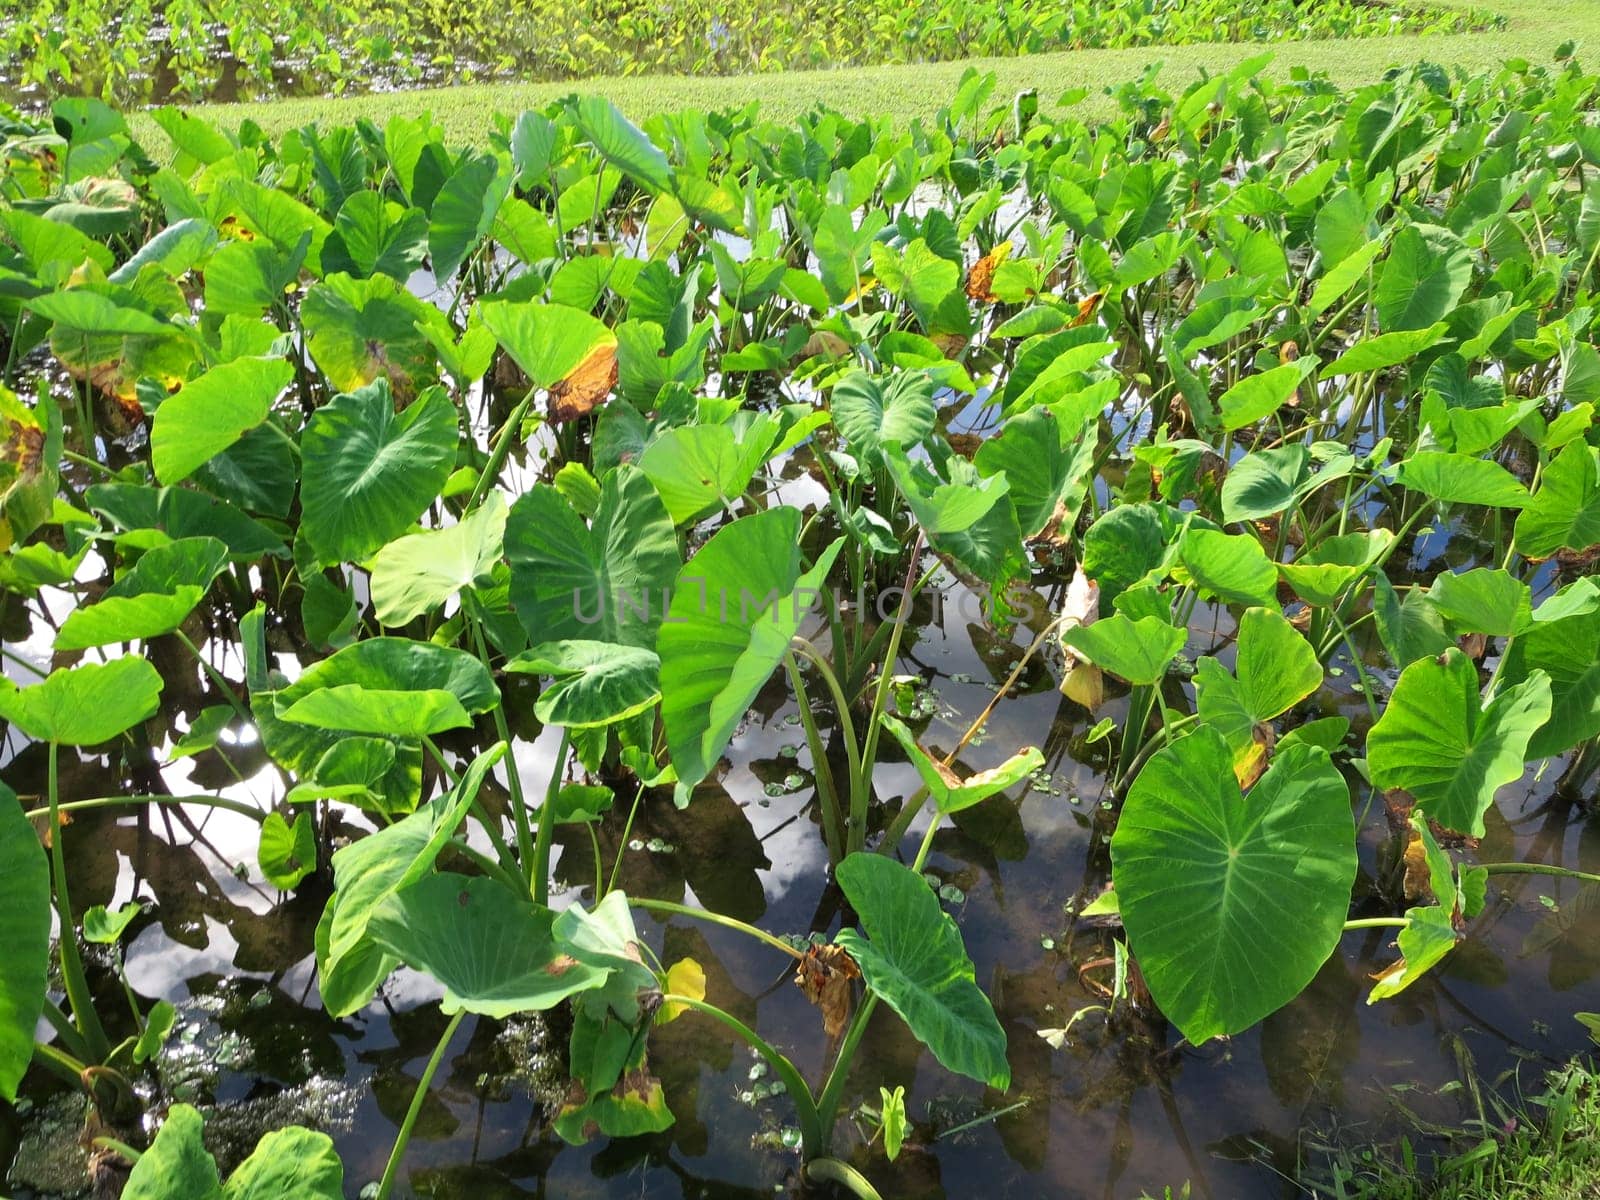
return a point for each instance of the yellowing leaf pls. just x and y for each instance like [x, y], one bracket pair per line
[684, 978]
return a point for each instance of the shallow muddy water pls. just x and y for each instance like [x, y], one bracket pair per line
[1118, 1110]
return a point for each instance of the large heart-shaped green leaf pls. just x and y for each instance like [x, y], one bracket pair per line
[417, 573]
[25, 919]
[1046, 464]
[1568, 651]
[1232, 567]
[1438, 741]
[606, 581]
[177, 1166]
[288, 1163]
[622, 143]
[491, 949]
[1461, 479]
[548, 341]
[152, 598]
[84, 705]
[696, 468]
[1564, 514]
[913, 959]
[368, 472]
[1137, 651]
[873, 411]
[1232, 902]
[211, 413]
[350, 965]
[595, 683]
[1275, 669]
[735, 606]
[363, 330]
[370, 681]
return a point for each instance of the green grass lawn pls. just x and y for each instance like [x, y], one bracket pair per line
[1534, 29]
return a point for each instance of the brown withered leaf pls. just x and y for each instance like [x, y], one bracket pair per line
[965, 444]
[1087, 308]
[824, 975]
[1417, 884]
[950, 344]
[589, 383]
[980, 279]
[1249, 765]
[1473, 645]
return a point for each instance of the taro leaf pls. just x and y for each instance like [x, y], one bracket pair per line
[892, 1117]
[697, 468]
[1568, 651]
[550, 342]
[417, 573]
[945, 507]
[289, 1164]
[1232, 902]
[1046, 465]
[25, 920]
[950, 793]
[912, 958]
[213, 412]
[612, 1091]
[874, 411]
[1461, 479]
[287, 852]
[84, 705]
[1427, 270]
[1126, 544]
[1384, 350]
[181, 513]
[350, 965]
[1564, 514]
[463, 210]
[1324, 572]
[30, 451]
[1137, 651]
[685, 978]
[177, 1165]
[605, 939]
[582, 803]
[1265, 482]
[105, 927]
[1427, 937]
[622, 143]
[1411, 628]
[492, 949]
[158, 1023]
[366, 687]
[369, 472]
[606, 581]
[375, 236]
[1232, 567]
[1483, 600]
[1258, 396]
[361, 330]
[735, 606]
[1275, 669]
[596, 683]
[152, 598]
[1439, 742]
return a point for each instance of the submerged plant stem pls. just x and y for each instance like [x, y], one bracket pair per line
[392, 1169]
[72, 975]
